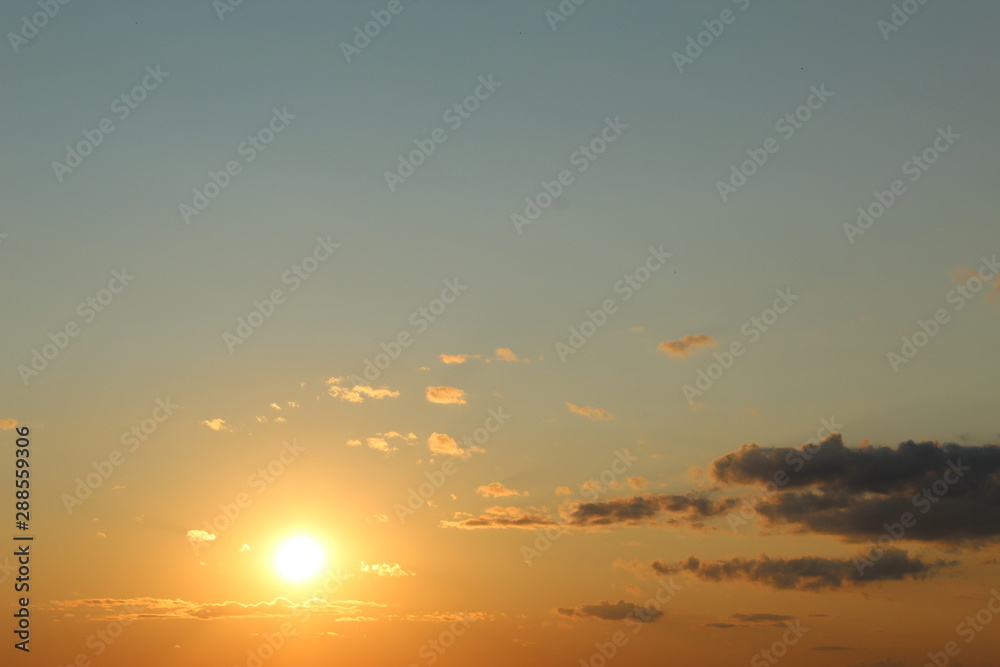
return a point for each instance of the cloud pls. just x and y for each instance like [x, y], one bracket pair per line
[377, 518]
[685, 347]
[563, 491]
[275, 406]
[440, 443]
[497, 490]
[637, 482]
[643, 509]
[607, 611]
[593, 414]
[7, 424]
[457, 358]
[445, 395]
[153, 608]
[506, 354]
[380, 441]
[217, 424]
[761, 618]
[807, 573]
[951, 492]
[358, 393]
[385, 569]
[200, 536]
[502, 517]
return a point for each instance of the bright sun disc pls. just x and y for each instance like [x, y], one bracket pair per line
[299, 558]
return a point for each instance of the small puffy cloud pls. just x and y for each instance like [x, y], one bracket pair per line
[593, 414]
[7, 424]
[446, 395]
[617, 611]
[381, 441]
[199, 536]
[440, 443]
[293, 404]
[385, 569]
[457, 358]
[275, 406]
[637, 482]
[506, 354]
[377, 518]
[216, 424]
[498, 490]
[685, 347]
[245, 548]
[563, 491]
[358, 393]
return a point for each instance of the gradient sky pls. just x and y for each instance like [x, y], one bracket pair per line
[823, 372]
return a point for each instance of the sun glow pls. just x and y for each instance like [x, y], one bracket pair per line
[299, 558]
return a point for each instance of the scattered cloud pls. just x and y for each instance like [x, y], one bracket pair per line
[593, 414]
[200, 536]
[497, 490]
[358, 393]
[564, 491]
[440, 443]
[807, 573]
[685, 347]
[384, 569]
[446, 395]
[502, 517]
[217, 424]
[506, 354]
[458, 358]
[643, 509]
[608, 611]
[7, 424]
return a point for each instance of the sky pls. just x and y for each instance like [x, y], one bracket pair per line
[555, 333]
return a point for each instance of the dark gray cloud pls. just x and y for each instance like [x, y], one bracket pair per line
[617, 611]
[640, 509]
[950, 492]
[808, 573]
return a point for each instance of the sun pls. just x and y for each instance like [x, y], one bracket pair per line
[299, 558]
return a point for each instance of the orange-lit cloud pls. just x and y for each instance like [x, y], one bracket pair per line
[153, 608]
[498, 490]
[440, 443]
[686, 346]
[506, 354]
[380, 441]
[502, 517]
[200, 536]
[593, 414]
[457, 358]
[564, 491]
[217, 424]
[7, 424]
[358, 393]
[446, 395]
[384, 569]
